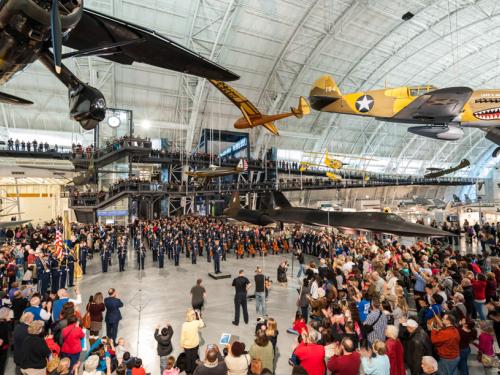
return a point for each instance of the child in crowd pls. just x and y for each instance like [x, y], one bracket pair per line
[171, 369]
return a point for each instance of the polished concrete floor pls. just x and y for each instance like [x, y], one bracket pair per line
[154, 296]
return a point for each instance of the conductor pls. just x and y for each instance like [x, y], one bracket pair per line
[241, 285]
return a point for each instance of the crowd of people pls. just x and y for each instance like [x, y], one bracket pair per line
[372, 307]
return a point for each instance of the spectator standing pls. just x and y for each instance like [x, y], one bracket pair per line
[467, 336]
[35, 351]
[416, 344]
[262, 350]
[260, 292]
[113, 315]
[376, 322]
[346, 360]
[395, 351]
[446, 341]
[213, 364]
[96, 308]
[164, 347]
[18, 336]
[311, 356]
[190, 339]
[72, 337]
[377, 365]
[237, 361]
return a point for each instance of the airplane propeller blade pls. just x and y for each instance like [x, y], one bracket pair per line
[56, 32]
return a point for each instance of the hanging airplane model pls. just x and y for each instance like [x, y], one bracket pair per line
[28, 28]
[331, 163]
[252, 116]
[203, 176]
[441, 112]
[276, 208]
[439, 172]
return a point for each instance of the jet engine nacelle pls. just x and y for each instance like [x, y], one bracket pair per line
[87, 105]
[444, 133]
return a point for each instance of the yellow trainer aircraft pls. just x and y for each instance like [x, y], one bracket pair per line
[441, 112]
[251, 115]
[331, 163]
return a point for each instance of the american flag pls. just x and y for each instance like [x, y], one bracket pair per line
[245, 165]
[59, 244]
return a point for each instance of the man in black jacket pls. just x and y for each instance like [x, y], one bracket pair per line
[18, 336]
[164, 348]
[468, 297]
[416, 345]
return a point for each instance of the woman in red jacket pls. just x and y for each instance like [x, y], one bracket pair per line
[479, 288]
[395, 351]
[72, 341]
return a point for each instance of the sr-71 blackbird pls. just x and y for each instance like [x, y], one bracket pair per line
[441, 113]
[28, 28]
[276, 208]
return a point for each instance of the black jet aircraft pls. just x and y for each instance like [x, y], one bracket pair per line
[275, 208]
[29, 29]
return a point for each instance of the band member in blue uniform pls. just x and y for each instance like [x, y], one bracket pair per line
[161, 255]
[43, 273]
[104, 258]
[217, 255]
[142, 256]
[154, 247]
[122, 254]
[71, 268]
[177, 252]
[54, 273]
[84, 253]
[194, 252]
[63, 271]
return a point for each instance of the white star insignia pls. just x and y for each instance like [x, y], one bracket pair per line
[364, 103]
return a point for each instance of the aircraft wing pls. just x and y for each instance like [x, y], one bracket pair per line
[98, 30]
[438, 106]
[12, 224]
[55, 169]
[271, 127]
[245, 106]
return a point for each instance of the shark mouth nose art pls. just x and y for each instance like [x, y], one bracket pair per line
[488, 114]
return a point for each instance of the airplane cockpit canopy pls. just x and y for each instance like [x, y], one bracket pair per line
[420, 90]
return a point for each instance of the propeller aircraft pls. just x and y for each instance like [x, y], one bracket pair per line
[252, 116]
[439, 113]
[30, 28]
[203, 176]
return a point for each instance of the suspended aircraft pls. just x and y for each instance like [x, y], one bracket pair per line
[331, 163]
[275, 208]
[441, 112]
[28, 28]
[203, 176]
[85, 178]
[439, 172]
[252, 116]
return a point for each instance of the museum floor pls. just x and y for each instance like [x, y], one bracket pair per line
[155, 296]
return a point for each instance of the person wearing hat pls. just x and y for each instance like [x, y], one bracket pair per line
[260, 292]
[237, 360]
[416, 345]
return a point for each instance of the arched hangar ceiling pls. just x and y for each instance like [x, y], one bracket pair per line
[279, 47]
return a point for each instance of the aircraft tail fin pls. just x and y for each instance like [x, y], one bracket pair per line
[302, 109]
[273, 200]
[325, 91]
[234, 205]
[242, 165]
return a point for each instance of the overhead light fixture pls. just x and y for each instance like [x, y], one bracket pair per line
[114, 121]
[407, 16]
